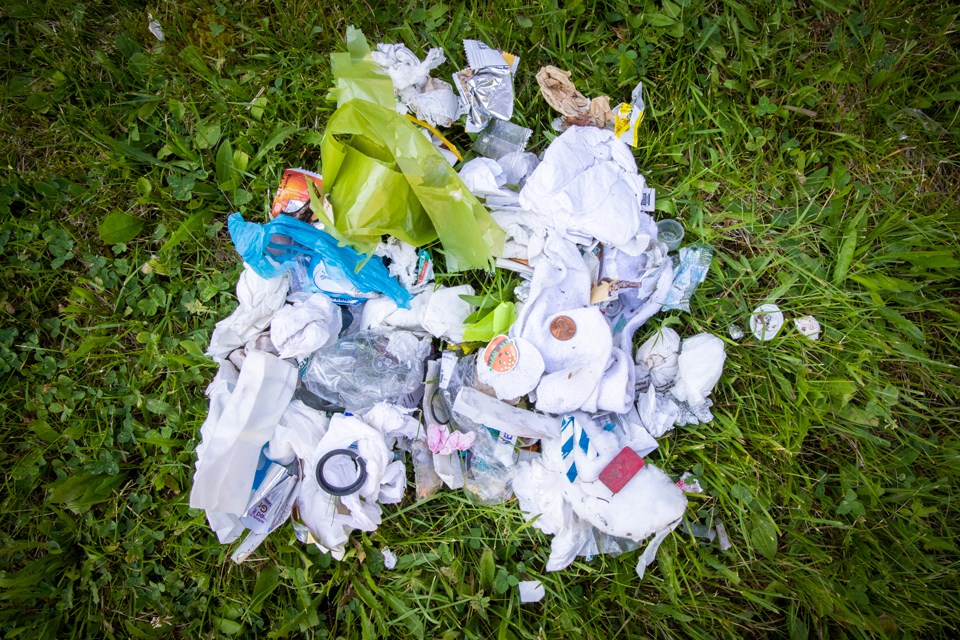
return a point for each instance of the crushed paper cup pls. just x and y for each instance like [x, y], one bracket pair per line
[808, 326]
[766, 321]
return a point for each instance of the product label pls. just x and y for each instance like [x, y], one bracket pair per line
[648, 199]
[293, 195]
[448, 361]
[260, 510]
[501, 355]
[424, 267]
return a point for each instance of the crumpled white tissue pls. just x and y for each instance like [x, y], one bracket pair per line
[298, 433]
[635, 434]
[525, 230]
[393, 421]
[658, 411]
[576, 512]
[259, 299]
[482, 176]
[700, 366]
[404, 263]
[538, 493]
[615, 391]
[485, 176]
[561, 281]
[589, 185]
[383, 313]
[260, 342]
[299, 329]
[431, 100]
[657, 358]
[227, 461]
[445, 313]
[435, 102]
[525, 233]
[331, 519]
[226, 525]
[404, 67]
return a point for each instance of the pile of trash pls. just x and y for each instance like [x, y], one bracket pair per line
[344, 362]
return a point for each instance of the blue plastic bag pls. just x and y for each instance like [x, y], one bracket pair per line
[274, 248]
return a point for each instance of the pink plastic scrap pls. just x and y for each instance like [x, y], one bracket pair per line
[442, 442]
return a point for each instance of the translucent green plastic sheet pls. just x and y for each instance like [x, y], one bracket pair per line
[356, 76]
[384, 177]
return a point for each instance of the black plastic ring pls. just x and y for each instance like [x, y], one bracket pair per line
[351, 488]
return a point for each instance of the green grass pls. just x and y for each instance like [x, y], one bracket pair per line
[775, 131]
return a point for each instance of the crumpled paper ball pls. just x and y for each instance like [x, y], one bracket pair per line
[657, 358]
[700, 365]
[300, 329]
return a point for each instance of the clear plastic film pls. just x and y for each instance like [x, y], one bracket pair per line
[694, 262]
[487, 479]
[363, 369]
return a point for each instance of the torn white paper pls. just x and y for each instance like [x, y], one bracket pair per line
[531, 591]
[259, 299]
[228, 463]
[483, 409]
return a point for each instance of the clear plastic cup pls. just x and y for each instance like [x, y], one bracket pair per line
[670, 232]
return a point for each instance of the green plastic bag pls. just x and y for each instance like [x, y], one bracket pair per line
[383, 176]
[357, 77]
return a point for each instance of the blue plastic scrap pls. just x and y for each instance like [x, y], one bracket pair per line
[274, 248]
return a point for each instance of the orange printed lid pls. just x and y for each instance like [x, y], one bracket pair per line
[501, 354]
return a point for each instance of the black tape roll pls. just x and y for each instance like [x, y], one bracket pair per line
[351, 488]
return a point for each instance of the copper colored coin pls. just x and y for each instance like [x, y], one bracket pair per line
[563, 327]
